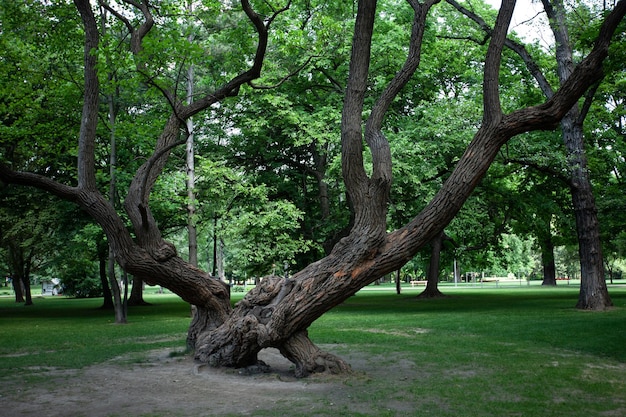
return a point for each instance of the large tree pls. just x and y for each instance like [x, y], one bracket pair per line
[278, 311]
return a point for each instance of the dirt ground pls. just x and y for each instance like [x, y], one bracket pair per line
[162, 385]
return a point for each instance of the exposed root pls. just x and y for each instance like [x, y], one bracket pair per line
[310, 359]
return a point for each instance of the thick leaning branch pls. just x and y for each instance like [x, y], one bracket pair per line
[137, 201]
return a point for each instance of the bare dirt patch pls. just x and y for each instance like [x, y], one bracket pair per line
[161, 385]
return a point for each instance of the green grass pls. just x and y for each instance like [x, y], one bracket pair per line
[72, 333]
[478, 352]
[489, 352]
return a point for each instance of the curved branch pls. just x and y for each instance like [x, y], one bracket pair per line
[491, 81]
[285, 78]
[351, 136]
[91, 100]
[118, 15]
[378, 144]
[231, 88]
[8, 176]
[516, 47]
[154, 158]
[409, 67]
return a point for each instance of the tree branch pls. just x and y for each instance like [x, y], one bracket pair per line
[91, 100]
[405, 242]
[351, 136]
[285, 78]
[231, 88]
[8, 176]
[491, 81]
[511, 44]
[378, 144]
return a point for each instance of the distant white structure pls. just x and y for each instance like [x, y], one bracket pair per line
[50, 287]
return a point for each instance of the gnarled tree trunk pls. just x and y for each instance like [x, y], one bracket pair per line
[278, 311]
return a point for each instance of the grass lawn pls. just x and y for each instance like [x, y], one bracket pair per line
[519, 351]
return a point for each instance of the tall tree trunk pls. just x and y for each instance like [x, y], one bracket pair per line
[119, 303]
[593, 291]
[547, 257]
[192, 233]
[103, 257]
[432, 276]
[18, 288]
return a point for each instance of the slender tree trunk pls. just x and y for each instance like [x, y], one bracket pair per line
[547, 259]
[103, 258]
[215, 240]
[398, 282]
[118, 302]
[432, 276]
[191, 170]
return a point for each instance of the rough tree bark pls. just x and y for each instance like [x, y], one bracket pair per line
[278, 311]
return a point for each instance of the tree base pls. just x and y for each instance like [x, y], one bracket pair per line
[309, 359]
[599, 302]
[430, 293]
